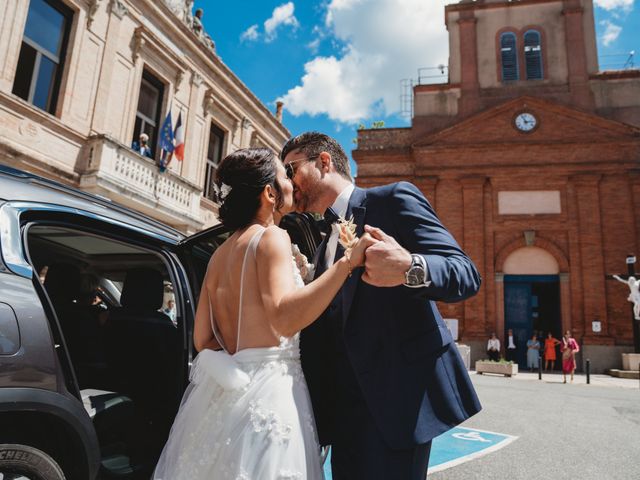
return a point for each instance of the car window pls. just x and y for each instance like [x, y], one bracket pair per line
[88, 278]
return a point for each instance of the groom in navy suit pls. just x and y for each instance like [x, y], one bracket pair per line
[384, 375]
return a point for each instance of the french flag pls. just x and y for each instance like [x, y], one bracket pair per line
[178, 135]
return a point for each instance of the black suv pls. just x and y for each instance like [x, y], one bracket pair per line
[92, 362]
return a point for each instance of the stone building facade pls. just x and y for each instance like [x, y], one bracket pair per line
[81, 79]
[531, 157]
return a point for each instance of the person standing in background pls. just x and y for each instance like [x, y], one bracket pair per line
[170, 310]
[550, 351]
[493, 348]
[533, 352]
[510, 351]
[569, 348]
[142, 146]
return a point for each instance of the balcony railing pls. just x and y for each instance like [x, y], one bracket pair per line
[115, 171]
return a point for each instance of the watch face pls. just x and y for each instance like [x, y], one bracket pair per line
[415, 276]
[526, 122]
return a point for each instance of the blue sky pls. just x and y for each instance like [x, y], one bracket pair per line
[339, 63]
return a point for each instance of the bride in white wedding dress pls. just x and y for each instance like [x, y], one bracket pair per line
[246, 415]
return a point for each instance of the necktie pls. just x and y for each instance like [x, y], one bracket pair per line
[330, 217]
[332, 237]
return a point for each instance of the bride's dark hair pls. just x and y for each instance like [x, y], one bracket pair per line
[246, 172]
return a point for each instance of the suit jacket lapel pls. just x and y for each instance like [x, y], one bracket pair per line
[318, 257]
[357, 209]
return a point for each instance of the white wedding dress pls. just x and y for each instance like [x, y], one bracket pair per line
[245, 416]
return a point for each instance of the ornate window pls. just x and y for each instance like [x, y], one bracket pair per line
[42, 54]
[148, 112]
[214, 155]
[533, 55]
[509, 57]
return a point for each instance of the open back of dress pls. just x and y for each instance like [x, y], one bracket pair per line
[260, 424]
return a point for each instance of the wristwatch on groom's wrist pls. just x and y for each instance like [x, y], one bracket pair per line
[416, 276]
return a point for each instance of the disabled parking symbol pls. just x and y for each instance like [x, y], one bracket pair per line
[457, 446]
[472, 436]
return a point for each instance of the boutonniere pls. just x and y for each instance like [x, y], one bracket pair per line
[348, 237]
[307, 270]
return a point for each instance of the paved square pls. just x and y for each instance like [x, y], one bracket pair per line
[563, 431]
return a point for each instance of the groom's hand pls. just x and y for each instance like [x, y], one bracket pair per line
[385, 261]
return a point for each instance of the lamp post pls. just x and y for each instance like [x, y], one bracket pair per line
[635, 324]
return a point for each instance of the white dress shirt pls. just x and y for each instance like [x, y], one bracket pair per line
[493, 344]
[340, 206]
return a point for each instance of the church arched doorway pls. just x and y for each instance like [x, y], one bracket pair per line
[532, 303]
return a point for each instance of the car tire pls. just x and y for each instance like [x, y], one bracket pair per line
[28, 462]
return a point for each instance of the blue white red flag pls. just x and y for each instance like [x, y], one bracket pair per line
[178, 134]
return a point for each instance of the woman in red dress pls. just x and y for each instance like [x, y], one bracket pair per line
[569, 348]
[550, 351]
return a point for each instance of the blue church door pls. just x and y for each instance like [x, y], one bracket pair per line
[531, 304]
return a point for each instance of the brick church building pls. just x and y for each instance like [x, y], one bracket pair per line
[531, 157]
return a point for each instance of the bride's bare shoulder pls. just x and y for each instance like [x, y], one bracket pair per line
[274, 240]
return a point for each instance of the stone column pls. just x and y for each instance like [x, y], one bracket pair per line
[469, 98]
[117, 11]
[634, 179]
[13, 17]
[192, 164]
[499, 298]
[474, 245]
[581, 94]
[565, 302]
[592, 273]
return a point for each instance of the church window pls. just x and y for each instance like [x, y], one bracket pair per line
[533, 55]
[41, 58]
[509, 56]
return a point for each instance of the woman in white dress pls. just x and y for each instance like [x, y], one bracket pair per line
[246, 415]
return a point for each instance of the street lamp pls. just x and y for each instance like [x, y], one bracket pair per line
[635, 324]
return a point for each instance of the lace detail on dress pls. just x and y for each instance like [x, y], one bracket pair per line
[268, 421]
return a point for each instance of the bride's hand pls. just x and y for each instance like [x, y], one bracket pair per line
[357, 256]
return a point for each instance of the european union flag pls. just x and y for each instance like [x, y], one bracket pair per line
[166, 135]
[165, 142]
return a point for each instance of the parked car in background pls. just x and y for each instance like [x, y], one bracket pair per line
[91, 369]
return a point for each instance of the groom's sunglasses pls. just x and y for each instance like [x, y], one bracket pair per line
[290, 171]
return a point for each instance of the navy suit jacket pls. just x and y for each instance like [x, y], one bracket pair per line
[408, 369]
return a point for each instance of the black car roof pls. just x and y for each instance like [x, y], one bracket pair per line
[18, 185]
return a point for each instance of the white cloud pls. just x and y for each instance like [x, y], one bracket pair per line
[626, 5]
[282, 15]
[385, 41]
[250, 34]
[313, 45]
[611, 32]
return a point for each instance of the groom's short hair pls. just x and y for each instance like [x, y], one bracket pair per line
[314, 143]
